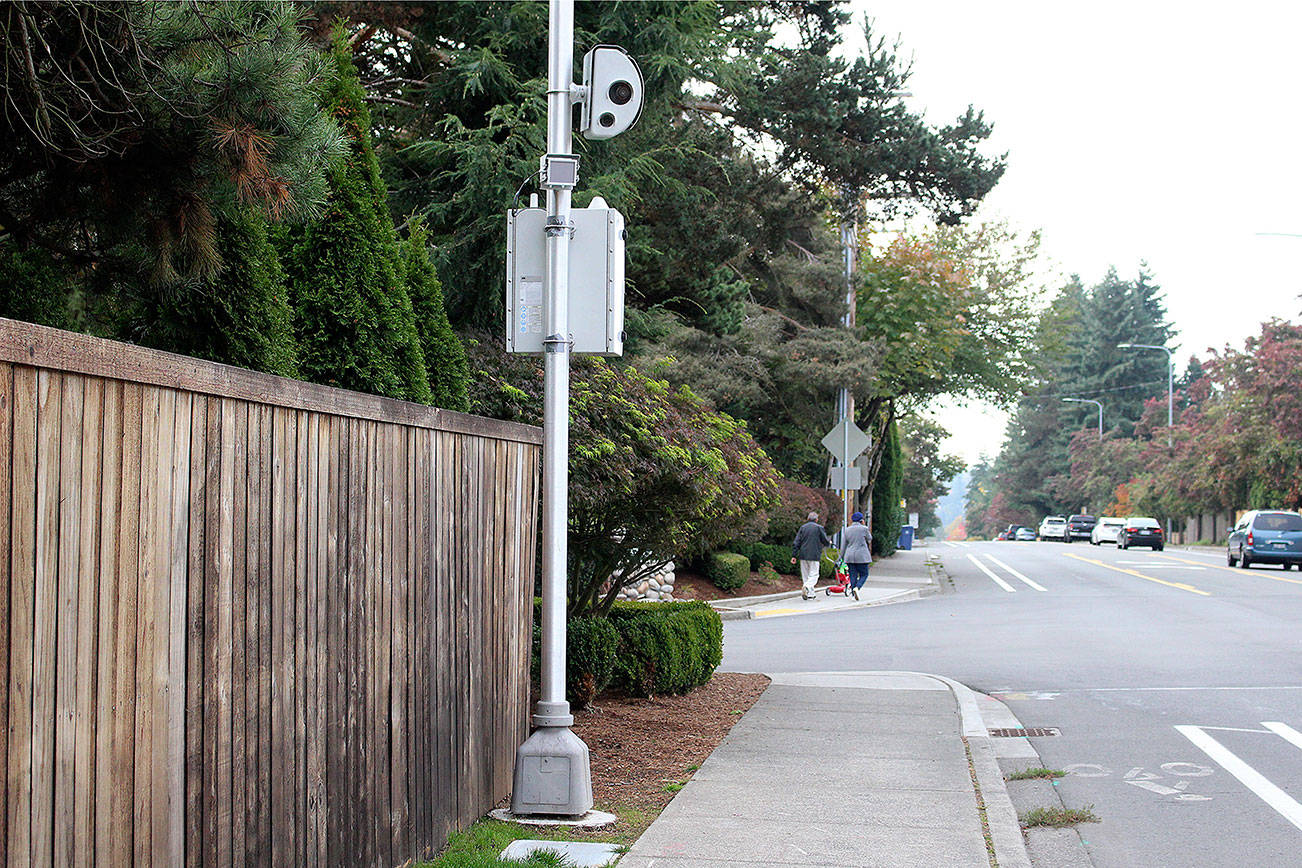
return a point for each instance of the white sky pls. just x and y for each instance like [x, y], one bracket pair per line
[1135, 131]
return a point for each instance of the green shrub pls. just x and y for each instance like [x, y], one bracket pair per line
[727, 570]
[761, 553]
[591, 645]
[827, 565]
[665, 648]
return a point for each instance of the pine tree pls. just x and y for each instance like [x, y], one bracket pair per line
[354, 320]
[445, 358]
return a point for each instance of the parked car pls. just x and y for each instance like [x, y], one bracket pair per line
[1010, 532]
[1266, 536]
[1053, 527]
[1024, 534]
[1003, 535]
[1106, 530]
[1140, 531]
[1080, 526]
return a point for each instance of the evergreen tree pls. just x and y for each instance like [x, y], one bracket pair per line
[888, 489]
[445, 358]
[33, 286]
[354, 320]
[240, 316]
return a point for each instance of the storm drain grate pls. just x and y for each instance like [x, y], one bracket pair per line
[1033, 732]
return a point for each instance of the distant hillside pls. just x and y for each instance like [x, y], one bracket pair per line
[950, 506]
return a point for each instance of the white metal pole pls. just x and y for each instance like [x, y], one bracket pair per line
[552, 709]
[849, 236]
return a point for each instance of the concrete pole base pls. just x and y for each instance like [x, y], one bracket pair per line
[553, 774]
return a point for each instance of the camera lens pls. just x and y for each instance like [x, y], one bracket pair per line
[606, 119]
[621, 92]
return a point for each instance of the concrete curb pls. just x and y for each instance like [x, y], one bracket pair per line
[1001, 816]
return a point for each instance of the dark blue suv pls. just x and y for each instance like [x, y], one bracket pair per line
[1266, 537]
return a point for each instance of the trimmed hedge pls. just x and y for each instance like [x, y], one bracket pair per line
[665, 647]
[759, 553]
[727, 570]
[591, 645]
[641, 649]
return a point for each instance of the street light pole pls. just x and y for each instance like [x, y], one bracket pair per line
[1098, 404]
[849, 238]
[1170, 384]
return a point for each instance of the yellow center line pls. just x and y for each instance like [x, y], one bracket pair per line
[1235, 570]
[1190, 588]
[764, 613]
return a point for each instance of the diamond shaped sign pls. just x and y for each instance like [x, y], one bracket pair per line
[836, 441]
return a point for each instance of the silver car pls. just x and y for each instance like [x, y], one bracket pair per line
[1053, 527]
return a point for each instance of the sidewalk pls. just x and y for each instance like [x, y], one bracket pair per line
[902, 576]
[845, 769]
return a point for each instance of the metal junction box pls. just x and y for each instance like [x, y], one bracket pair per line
[596, 303]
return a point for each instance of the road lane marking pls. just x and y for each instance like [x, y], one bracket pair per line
[1284, 731]
[1254, 780]
[1236, 570]
[1152, 566]
[998, 581]
[1014, 572]
[1179, 585]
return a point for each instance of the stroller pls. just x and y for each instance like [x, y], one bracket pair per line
[841, 581]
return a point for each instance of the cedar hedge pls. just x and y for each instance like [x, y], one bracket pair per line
[727, 570]
[640, 649]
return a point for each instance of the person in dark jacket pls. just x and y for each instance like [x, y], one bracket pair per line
[807, 548]
[856, 551]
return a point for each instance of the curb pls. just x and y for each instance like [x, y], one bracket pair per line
[1001, 816]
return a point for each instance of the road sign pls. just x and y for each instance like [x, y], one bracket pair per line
[838, 479]
[837, 440]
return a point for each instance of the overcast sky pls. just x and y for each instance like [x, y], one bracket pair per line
[1141, 131]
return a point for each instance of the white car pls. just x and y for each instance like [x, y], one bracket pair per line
[1106, 529]
[1053, 527]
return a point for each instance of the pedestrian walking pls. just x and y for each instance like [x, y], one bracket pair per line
[807, 548]
[857, 552]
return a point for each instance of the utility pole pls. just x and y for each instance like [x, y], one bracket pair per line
[845, 401]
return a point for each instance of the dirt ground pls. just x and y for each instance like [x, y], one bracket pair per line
[644, 750]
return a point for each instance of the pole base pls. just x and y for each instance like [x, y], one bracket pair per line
[553, 774]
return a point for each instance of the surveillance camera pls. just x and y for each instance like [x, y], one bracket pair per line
[614, 92]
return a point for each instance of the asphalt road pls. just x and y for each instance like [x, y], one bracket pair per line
[1175, 681]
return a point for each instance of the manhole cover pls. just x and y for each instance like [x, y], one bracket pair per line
[1032, 732]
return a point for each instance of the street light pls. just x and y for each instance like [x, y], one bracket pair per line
[1170, 383]
[1098, 404]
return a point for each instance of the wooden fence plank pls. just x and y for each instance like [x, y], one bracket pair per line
[239, 498]
[282, 774]
[177, 579]
[88, 571]
[247, 851]
[195, 640]
[110, 478]
[212, 734]
[122, 837]
[297, 591]
[22, 612]
[65, 649]
[162, 850]
[6, 527]
[265, 704]
[145, 623]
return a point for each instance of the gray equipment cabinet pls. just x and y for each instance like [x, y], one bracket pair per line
[596, 303]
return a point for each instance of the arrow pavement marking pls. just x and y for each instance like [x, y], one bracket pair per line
[1180, 585]
[1254, 780]
[1235, 570]
[1015, 572]
[998, 581]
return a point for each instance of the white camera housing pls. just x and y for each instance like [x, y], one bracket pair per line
[614, 95]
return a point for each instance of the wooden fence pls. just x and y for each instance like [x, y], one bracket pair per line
[249, 620]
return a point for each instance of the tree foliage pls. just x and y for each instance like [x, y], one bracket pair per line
[654, 472]
[131, 129]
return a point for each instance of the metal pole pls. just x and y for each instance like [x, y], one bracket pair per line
[1170, 397]
[552, 709]
[849, 233]
[553, 773]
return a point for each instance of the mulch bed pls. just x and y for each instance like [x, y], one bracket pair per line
[642, 748]
[690, 586]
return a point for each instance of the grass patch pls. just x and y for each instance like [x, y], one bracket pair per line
[479, 846]
[1058, 817]
[673, 787]
[1031, 774]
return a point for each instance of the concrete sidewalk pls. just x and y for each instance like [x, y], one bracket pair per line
[903, 576]
[891, 769]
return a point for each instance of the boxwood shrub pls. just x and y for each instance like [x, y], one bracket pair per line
[665, 647]
[759, 553]
[727, 570]
[591, 644]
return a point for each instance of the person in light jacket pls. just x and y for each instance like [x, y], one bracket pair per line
[856, 551]
[807, 548]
